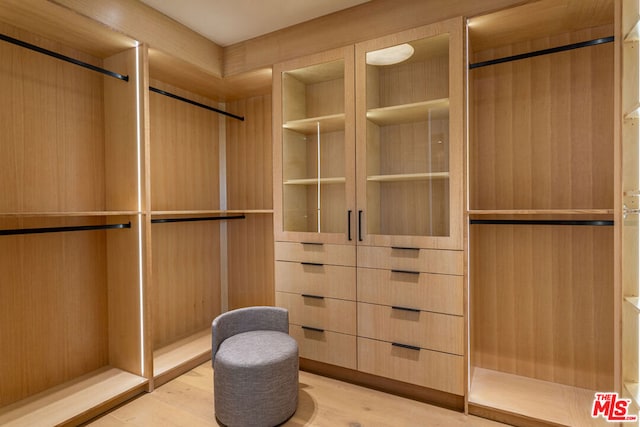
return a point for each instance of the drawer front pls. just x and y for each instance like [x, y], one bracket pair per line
[432, 369]
[425, 291]
[327, 347]
[433, 331]
[316, 253]
[331, 281]
[412, 260]
[323, 313]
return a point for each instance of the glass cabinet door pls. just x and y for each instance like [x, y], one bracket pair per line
[409, 148]
[317, 149]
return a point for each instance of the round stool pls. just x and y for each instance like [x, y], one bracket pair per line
[256, 379]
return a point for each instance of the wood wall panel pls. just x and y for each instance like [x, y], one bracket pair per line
[250, 187]
[186, 279]
[249, 154]
[542, 302]
[251, 261]
[184, 152]
[542, 131]
[53, 322]
[52, 141]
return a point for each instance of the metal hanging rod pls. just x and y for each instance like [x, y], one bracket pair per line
[63, 57]
[541, 222]
[197, 104]
[208, 218]
[542, 52]
[63, 229]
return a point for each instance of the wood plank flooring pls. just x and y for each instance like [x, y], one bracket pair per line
[188, 401]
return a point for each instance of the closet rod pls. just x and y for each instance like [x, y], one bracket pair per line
[588, 43]
[541, 222]
[197, 104]
[63, 229]
[208, 218]
[63, 57]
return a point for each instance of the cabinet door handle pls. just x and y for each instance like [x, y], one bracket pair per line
[404, 248]
[309, 328]
[317, 264]
[312, 296]
[405, 271]
[360, 226]
[410, 347]
[311, 243]
[349, 224]
[413, 310]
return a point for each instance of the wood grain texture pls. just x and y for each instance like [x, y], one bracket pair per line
[542, 302]
[541, 131]
[186, 279]
[52, 144]
[249, 154]
[54, 321]
[184, 152]
[251, 261]
[188, 401]
[329, 314]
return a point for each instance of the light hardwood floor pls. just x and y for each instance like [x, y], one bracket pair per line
[188, 401]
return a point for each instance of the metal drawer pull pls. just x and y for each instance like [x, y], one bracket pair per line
[317, 264]
[402, 248]
[407, 346]
[312, 296]
[309, 328]
[413, 310]
[311, 243]
[405, 271]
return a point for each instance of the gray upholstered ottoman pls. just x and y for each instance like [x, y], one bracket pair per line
[255, 367]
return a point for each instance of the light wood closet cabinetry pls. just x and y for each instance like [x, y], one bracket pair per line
[541, 242]
[70, 221]
[368, 207]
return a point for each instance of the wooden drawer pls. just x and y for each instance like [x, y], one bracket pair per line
[316, 253]
[325, 346]
[432, 369]
[425, 291]
[323, 313]
[413, 260]
[331, 281]
[433, 331]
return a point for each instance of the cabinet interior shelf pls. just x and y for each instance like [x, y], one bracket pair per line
[330, 123]
[314, 181]
[634, 34]
[528, 397]
[634, 302]
[408, 177]
[66, 214]
[62, 404]
[184, 354]
[409, 113]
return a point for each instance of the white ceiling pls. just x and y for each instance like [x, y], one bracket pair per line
[226, 22]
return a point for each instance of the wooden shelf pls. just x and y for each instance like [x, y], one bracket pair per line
[634, 392]
[408, 113]
[314, 181]
[530, 398]
[76, 400]
[634, 34]
[540, 212]
[331, 123]
[181, 356]
[67, 214]
[408, 177]
[634, 302]
[633, 114]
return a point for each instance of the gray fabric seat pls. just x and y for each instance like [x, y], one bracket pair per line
[255, 367]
